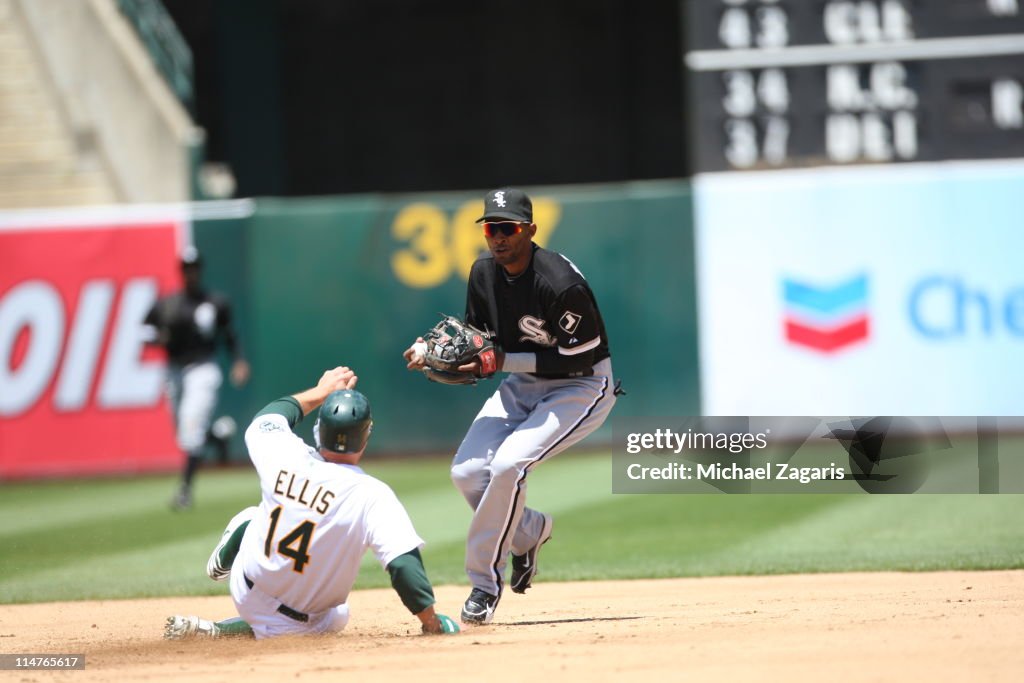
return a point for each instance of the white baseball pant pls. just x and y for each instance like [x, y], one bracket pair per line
[192, 392]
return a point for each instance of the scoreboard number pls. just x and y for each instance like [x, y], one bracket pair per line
[781, 83]
[1008, 104]
[742, 26]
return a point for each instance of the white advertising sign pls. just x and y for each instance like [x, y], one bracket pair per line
[867, 291]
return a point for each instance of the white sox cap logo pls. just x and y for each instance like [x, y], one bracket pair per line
[499, 199]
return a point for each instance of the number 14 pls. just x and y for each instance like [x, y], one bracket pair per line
[300, 536]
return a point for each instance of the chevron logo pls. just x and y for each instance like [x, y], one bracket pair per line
[826, 319]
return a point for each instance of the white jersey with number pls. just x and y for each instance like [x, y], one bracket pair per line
[316, 521]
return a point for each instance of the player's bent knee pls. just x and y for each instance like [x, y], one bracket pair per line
[468, 476]
[505, 472]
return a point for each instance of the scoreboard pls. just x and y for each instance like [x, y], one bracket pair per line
[793, 83]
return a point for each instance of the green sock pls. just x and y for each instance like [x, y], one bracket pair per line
[231, 548]
[234, 626]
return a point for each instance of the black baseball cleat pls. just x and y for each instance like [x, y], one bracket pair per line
[479, 608]
[524, 567]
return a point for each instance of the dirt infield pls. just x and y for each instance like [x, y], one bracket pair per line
[890, 626]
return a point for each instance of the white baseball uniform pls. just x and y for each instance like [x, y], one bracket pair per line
[301, 552]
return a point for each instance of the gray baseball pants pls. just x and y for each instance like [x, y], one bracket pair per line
[526, 421]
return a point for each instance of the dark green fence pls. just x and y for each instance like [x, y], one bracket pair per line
[353, 280]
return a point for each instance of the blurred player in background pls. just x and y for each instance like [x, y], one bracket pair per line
[190, 325]
[292, 561]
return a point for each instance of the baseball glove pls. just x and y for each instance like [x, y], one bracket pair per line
[452, 343]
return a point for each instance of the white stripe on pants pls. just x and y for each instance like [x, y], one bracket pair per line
[527, 420]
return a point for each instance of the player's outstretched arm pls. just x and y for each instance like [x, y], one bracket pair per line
[409, 579]
[341, 377]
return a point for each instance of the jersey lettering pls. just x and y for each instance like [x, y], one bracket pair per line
[298, 491]
[533, 330]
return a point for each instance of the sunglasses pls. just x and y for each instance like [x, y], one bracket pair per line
[506, 228]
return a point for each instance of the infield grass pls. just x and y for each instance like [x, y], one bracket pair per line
[117, 538]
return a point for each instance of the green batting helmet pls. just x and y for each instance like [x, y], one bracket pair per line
[344, 423]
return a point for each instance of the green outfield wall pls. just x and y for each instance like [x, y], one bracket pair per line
[352, 280]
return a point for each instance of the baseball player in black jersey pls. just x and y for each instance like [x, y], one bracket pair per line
[190, 324]
[552, 342]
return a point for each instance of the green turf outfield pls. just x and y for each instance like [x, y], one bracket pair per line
[117, 537]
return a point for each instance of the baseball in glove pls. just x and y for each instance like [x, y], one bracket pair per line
[453, 343]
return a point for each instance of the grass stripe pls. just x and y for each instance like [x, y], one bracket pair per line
[117, 538]
[167, 569]
[41, 506]
[926, 532]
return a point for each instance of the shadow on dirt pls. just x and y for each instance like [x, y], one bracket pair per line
[567, 621]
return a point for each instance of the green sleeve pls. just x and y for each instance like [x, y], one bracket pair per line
[409, 579]
[287, 406]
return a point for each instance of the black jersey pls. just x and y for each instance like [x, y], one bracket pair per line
[548, 309]
[190, 325]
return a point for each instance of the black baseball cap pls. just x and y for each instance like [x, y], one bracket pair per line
[507, 204]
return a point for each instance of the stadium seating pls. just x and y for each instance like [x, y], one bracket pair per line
[41, 162]
[85, 115]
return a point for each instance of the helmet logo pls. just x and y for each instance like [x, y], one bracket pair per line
[499, 199]
[477, 341]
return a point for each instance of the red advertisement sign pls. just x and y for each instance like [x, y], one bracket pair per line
[79, 391]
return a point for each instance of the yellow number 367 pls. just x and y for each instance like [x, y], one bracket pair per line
[432, 247]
